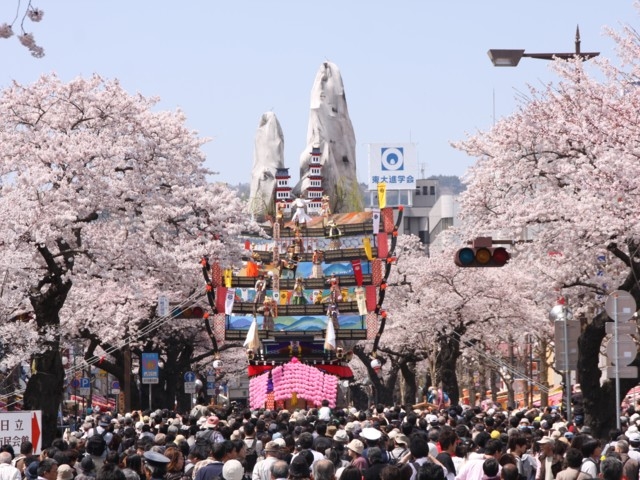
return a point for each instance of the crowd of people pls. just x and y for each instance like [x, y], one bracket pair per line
[386, 443]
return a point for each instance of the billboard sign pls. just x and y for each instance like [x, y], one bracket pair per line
[395, 164]
[16, 427]
[149, 368]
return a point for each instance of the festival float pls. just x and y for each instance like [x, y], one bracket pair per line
[313, 283]
[306, 294]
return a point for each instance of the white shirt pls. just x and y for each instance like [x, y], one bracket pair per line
[324, 414]
[589, 467]
[262, 470]
[7, 472]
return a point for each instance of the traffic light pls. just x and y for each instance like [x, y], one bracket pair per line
[482, 256]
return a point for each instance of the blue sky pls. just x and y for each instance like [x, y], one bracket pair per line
[413, 70]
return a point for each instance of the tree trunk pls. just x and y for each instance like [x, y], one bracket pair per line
[446, 360]
[382, 390]
[543, 369]
[408, 371]
[45, 388]
[599, 401]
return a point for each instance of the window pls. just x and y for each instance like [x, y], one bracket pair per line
[425, 190]
[432, 190]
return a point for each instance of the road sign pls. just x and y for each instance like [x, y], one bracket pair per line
[15, 427]
[189, 382]
[572, 333]
[623, 372]
[624, 328]
[163, 306]
[85, 386]
[75, 383]
[115, 387]
[211, 385]
[620, 306]
[149, 368]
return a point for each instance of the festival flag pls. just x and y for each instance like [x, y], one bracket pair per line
[361, 301]
[221, 296]
[372, 297]
[229, 300]
[228, 275]
[388, 223]
[383, 245]
[330, 337]
[382, 195]
[357, 271]
[367, 248]
[375, 217]
[253, 340]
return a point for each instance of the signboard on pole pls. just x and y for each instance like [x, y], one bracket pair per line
[115, 387]
[189, 382]
[149, 368]
[16, 427]
[163, 306]
[211, 385]
[570, 328]
[393, 164]
[85, 386]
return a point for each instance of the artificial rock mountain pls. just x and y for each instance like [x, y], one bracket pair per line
[331, 130]
[268, 156]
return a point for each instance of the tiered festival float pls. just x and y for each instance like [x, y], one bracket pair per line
[310, 289]
[305, 296]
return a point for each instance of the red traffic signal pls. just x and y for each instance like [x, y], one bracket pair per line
[481, 257]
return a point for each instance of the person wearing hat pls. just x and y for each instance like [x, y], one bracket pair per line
[370, 437]
[232, 470]
[31, 472]
[65, 472]
[262, 470]
[354, 449]
[550, 464]
[400, 446]
[634, 444]
[210, 431]
[155, 465]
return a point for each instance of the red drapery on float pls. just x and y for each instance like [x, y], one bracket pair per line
[337, 370]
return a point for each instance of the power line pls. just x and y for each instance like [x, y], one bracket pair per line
[153, 325]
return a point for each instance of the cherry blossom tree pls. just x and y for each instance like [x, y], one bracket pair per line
[563, 171]
[27, 39]
[104, 204]
[443, 309]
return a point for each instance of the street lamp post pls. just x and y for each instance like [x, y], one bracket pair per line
[511, 58]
